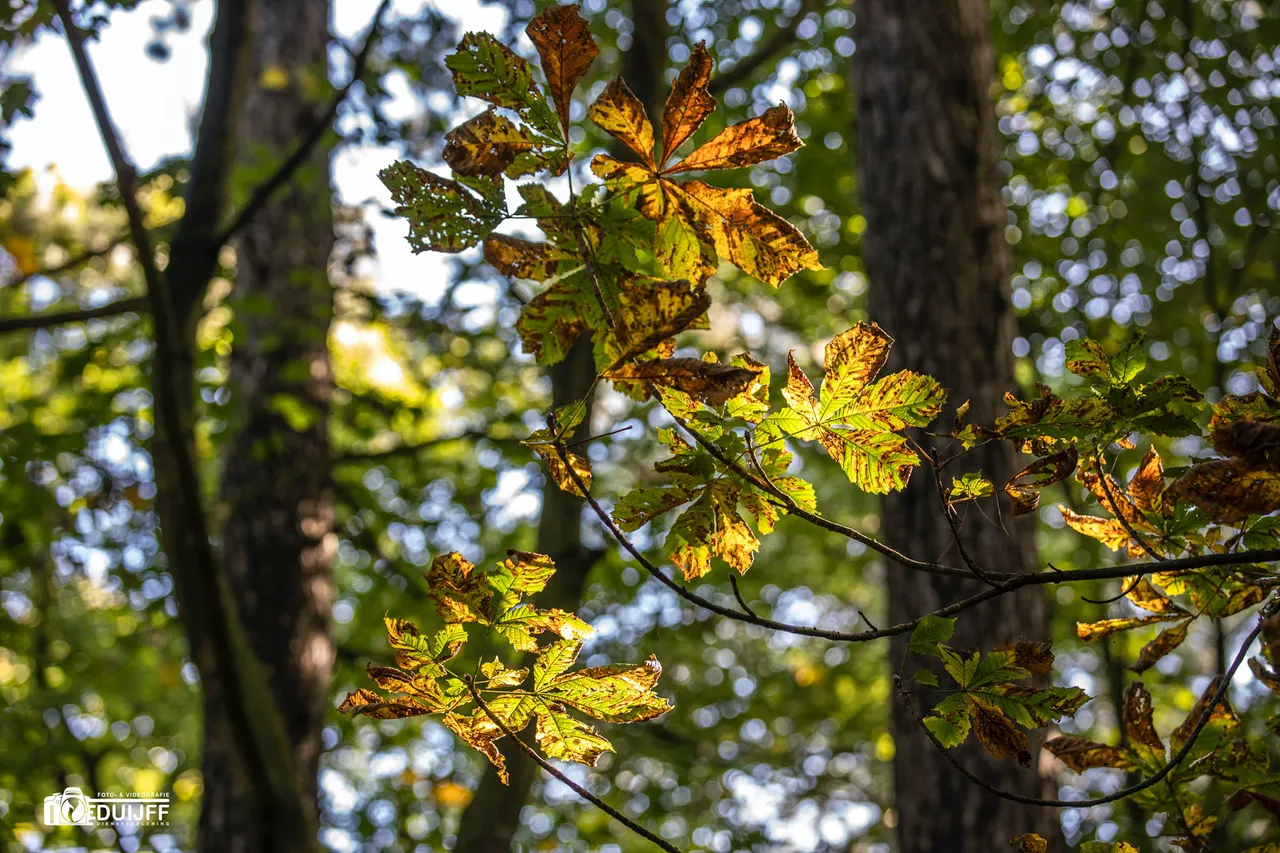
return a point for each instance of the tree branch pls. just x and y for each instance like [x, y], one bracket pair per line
[262, 194]
[1006, 583]
[577, 789]
[765, 53]
[135, 304]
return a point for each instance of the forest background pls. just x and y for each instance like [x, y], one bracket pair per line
[1135, 167]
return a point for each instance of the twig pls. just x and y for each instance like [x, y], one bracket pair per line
[263, 192]
[737, 593]
[135, 304]
[551, 768]
[70, 263]
[953, 523]
[593, 276]
[1007, 583]
[1121, 794]
[765, 53]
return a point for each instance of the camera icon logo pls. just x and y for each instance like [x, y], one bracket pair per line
[70, 808]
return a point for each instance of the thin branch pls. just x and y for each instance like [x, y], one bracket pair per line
[135, 304]
[263, 192]
[737, 594]
[411, 450]
[825, 523]
[593, 275]
[70, 263]
[551, 768]
[1007, 582]
[765, 53]
[1121, 794]
[953, 522]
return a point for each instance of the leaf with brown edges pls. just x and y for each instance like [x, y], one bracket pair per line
[564, 43]
[689, 103]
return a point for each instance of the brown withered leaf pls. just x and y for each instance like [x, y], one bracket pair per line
[1081, 754]
[485, 145]
[1256, 441]
[559, 472]
[1265, 674]
[460, 593]
[1229, 490]
[1147, 486]
[620, 113]
[1222, 713]
[564, 43]
[997, 733]
[654, 311]
[1124, 505]
[517, 258]
[1166, 641]
[1035, 656]
[798, 392]
[770, 135]
[713, 384]
[372, 705]
[689, 103]
[1024, 487]
[1137, 717]
[854, 358]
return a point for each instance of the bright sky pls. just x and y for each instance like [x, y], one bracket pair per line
[154, 105]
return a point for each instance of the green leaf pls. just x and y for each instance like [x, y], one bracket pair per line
[931, 631]
[485, 68]
[924, 676]
[444, 215]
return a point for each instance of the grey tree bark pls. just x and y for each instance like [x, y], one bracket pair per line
[276, 534]
[938, 263]
[493, 816]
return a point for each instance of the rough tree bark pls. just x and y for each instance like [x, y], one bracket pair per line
[493, 816]
[938, 263]
[277, 540]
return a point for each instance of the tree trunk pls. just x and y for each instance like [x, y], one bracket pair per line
[938, 264]
[276, 534]
[493, 816]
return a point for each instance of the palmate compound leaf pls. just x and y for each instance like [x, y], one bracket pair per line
[618, 693]
[988, 703]
[712, 523]
[444, 215]
[696, 222]
[855, 418]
